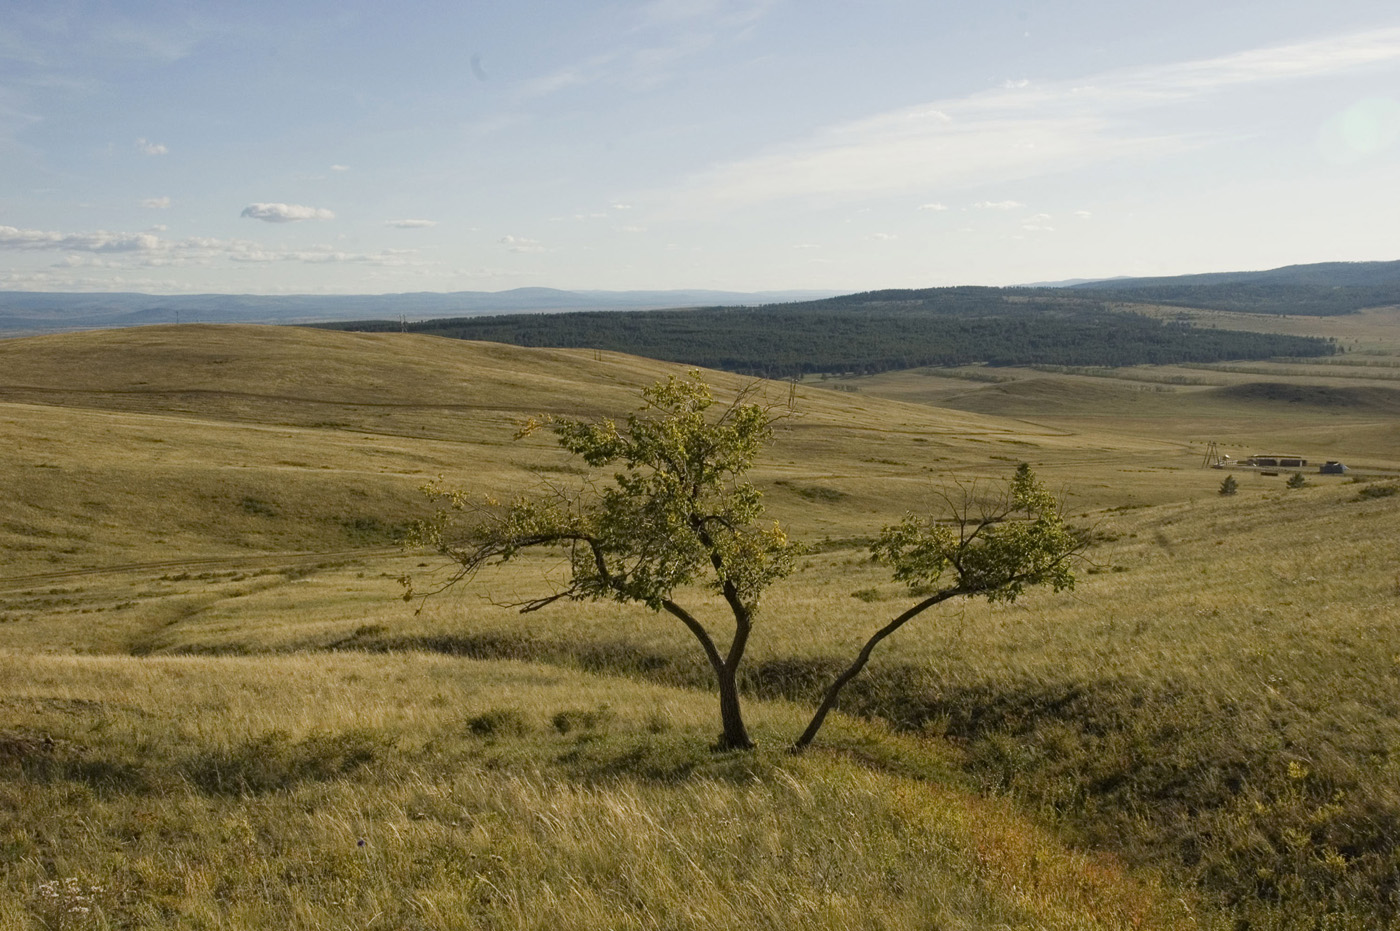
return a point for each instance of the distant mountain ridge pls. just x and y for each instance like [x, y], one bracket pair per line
[1320, 289]
[43, 311]
[1324, 274]
[1323, 288]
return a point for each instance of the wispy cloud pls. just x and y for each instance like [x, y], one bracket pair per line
[411, 224]
[340, 168]
[936, 207]
[114, 250]
[521, 244]
[998, 204]
[156, 203]
[146, 147]
[285, 213]
[99, 241]
[1024, 129]
[665, 34]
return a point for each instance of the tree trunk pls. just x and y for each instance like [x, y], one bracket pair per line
[853, 670]
[735, 736]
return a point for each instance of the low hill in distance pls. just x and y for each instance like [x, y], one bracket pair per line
[1320, 289]
[30, 312]
[1320, 274]
[1323, 288]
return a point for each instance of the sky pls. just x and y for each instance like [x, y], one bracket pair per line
[305, 147]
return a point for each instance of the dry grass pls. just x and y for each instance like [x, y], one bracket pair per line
[1224, 670]
[349, 791]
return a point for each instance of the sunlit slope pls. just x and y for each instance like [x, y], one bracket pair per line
[1323, 411]
[325, 791]
[169, 443]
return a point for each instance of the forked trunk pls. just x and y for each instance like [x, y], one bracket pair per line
[735, 735]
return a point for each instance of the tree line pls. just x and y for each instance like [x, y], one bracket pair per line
[880, 331]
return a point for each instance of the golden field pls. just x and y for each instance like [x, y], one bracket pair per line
[213, 693]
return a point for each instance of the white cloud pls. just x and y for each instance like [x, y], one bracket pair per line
[151, 148]
[340, 168]
[115, 250]
[521, 244]
[411, 224]
[100, 241]
[156, 203]
[933, 206]
[622, 206]
[285, 213]
[998, 204]
[1021, 131]
[884, 237]
[1083, 214]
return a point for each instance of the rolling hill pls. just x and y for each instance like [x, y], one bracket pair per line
[215, 708]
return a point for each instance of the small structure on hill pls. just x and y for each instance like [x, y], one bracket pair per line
[1269, 461]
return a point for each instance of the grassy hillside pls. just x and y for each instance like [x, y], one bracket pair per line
[162, 443]
[212, 694]
[410, 791]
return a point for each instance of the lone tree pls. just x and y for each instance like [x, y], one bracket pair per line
[1229, 486]
[993, 546]
[677, 513]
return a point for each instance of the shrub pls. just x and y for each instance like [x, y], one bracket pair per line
[583, 719]
[500, 722]
[1229, 486]
[1377, 491]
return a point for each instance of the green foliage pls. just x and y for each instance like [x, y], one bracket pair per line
[677, 513]
[986, 550]
[678, 510]
[994, 547]
[1229, 486]
[1296, 480]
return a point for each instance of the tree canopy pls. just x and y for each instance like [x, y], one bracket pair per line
[989, 543]
[678, 512]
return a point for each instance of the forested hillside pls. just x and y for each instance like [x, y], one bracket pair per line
[1321, 289]
[882, 330]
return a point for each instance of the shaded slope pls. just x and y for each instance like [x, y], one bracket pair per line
[1367, 399]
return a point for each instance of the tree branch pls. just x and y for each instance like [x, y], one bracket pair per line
[853, 670]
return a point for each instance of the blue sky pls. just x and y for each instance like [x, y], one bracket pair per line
[737, 144]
